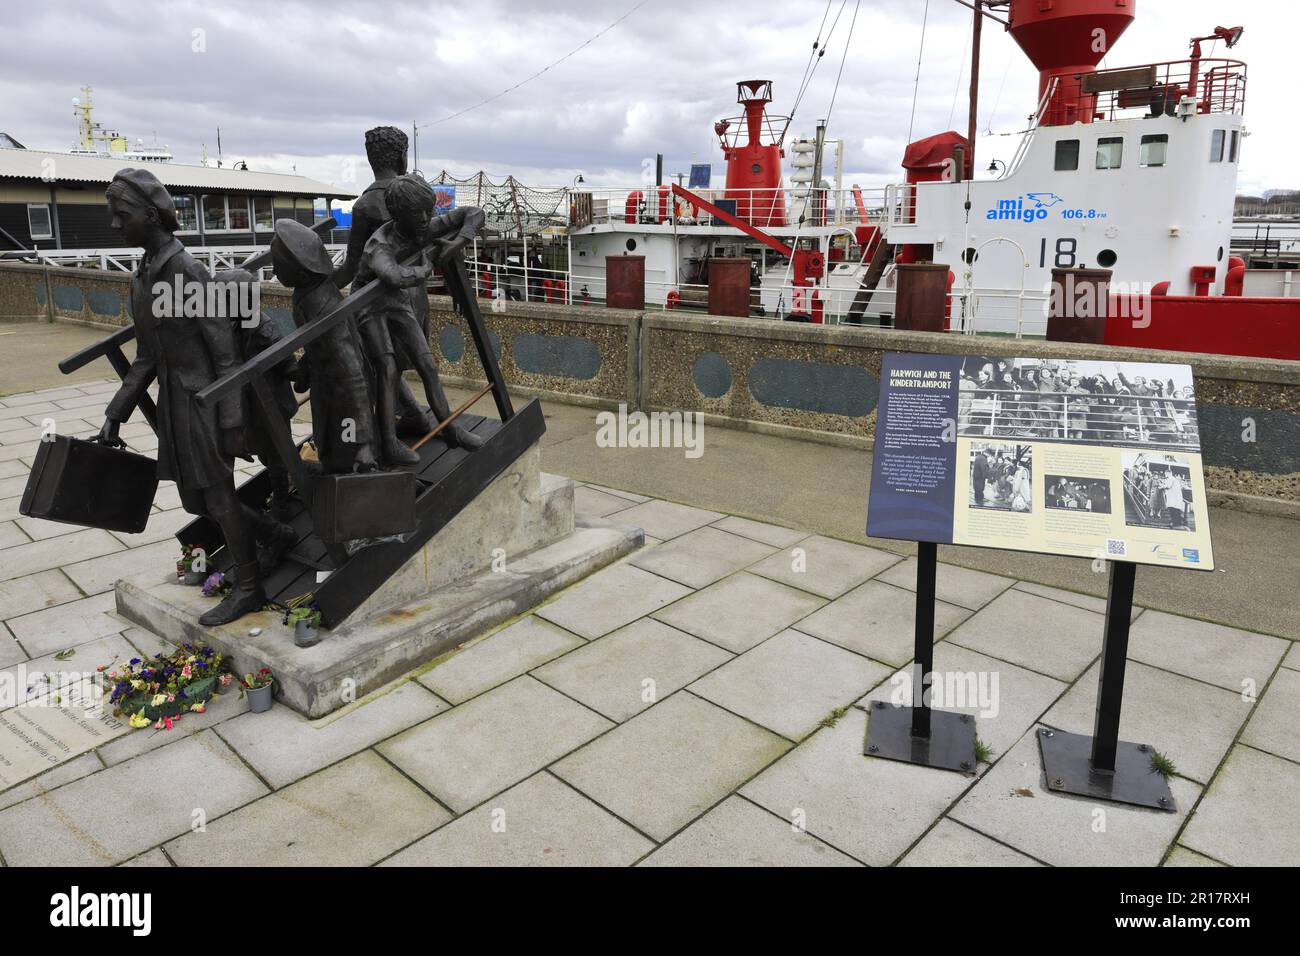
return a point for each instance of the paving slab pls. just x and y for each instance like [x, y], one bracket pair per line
[739, 833]
[790, 683]
[39, 407]
[1192, 723]
[511, 651]
[1274, 727]
[669, 764]
[1012, 804]
[609, 599]
[10, 468]
[1045, 636]
[37, 591]
[46, 395]
[44, 555]
[38, 529]
[597, 504]
[952, 584]
[10, 651]
[1086, 601]
[951, 844]
[665, 519]
[740, 611]
[540, 822]
[1292, 659]
[83, 823]
[825, 566]
[769, 534]
[629, 495]
[1250, 815]
[869, 808]
[67, 625]
[162, 526]
[492, 742]
[879, 621]
[154, 857]
[1183, 857]
[283, 745]
[354, 813]
[11, 534]
[65, 772]
[100, 574]
[631, 669]
[1231, 658]
[1005, 700]
[700, 557]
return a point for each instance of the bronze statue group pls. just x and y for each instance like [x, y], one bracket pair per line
[361, 409]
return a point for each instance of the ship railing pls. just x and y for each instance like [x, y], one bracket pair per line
[765, 208]
[1158, 88]
[1018, 312]
[214, 258]
[771, 133]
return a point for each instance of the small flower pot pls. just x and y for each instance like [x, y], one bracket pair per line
[194, 577]
[259, 699]
[305, 634]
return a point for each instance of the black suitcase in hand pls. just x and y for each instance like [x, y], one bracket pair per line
[83, 482]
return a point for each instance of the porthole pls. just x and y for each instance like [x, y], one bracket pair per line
[969, 256]
[1220, 253]
[1107, 258]
[631, 245]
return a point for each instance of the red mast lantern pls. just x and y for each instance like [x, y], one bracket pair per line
[1066, 39]
[754, 167]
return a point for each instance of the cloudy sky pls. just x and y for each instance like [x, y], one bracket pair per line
[294, 84]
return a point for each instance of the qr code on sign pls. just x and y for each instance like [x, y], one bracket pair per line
[1116, 548]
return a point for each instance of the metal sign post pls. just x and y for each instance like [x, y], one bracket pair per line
[918, 734]
[1103, 766]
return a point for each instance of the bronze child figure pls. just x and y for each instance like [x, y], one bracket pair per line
[386, 153]
[185, 353]
[398, 318]
[343, 427]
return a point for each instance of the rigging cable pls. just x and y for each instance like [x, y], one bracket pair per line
[566, 56]
[820, 54]
[916, 86]
[803, 81]
[848, 40]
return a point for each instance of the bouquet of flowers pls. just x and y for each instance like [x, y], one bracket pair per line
[160, 690]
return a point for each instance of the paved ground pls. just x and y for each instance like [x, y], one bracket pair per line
[820, 488]
[702, 701]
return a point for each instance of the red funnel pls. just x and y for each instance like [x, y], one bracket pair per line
[1067, 38]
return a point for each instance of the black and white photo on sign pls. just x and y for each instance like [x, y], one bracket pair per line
[1087, 402]
[1001, 476]
[1158, 491]
[1068, 493]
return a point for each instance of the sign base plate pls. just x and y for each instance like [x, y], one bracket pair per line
[1067, 761]
[950, 746]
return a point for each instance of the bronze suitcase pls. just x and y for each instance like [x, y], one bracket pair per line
[364, 506]
[85, 483]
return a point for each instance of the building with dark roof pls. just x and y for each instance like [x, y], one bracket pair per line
[52, 200]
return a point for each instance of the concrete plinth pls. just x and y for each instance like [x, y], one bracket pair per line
[510, 549]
